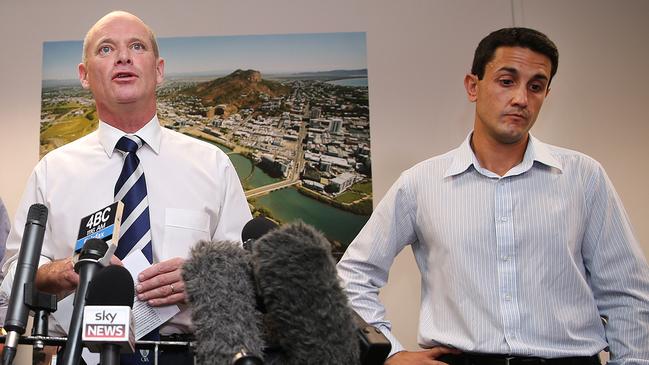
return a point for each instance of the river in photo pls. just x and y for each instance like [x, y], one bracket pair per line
[289, 205]
[244, 165]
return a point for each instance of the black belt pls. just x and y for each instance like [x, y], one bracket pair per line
[494, 359]
[178, 337]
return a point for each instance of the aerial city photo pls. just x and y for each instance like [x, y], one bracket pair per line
[291, 112]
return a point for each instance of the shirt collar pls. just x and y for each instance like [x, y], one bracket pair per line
[151, 134]
[539, 151]
[463, 158]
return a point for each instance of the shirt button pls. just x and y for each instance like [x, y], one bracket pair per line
[503, 219]
[506, 258]
[508, 297]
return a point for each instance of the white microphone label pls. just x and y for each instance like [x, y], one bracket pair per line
[106, 323]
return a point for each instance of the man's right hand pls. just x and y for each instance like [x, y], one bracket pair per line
[57, 277]
[426, 357]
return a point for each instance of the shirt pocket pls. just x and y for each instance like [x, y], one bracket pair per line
[183, 229]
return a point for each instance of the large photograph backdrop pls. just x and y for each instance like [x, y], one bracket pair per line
[291, 111]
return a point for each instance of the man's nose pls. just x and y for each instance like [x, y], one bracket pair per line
[124, 57]
[520, 96]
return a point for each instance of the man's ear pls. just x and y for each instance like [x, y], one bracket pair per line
[471, 86]
[83, 75]
[160, 70]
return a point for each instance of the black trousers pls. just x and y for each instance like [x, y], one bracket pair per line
[176, 357]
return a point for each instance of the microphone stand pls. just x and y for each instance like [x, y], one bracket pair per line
[43, 304]
[109, 354]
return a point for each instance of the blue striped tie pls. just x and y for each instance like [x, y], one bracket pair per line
[136, 226]
[131, 190]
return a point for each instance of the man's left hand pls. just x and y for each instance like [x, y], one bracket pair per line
[162, 283]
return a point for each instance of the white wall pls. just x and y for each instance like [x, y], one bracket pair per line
[418, 53]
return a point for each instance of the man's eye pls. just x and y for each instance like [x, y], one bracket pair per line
[506, 82]
[104, 50]
[138, 47]
[536, 87]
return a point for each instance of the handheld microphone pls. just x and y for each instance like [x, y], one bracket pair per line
[251, 232]
[27, 264]
[244, 358]
[374, 346]
[89, 262]
[307, 311]
[254, 229]
[108, 326]
[220, 291]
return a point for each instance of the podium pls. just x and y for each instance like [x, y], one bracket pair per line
[155, 346]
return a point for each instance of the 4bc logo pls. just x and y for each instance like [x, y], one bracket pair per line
[98, 218]
[101, 224]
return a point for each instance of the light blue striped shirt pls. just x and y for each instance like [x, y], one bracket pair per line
[522, 264]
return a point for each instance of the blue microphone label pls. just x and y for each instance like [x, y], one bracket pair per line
[105, 235]
[102, 224]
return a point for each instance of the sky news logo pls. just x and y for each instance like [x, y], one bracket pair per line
[116, 331]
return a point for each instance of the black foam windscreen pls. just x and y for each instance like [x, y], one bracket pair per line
[93, 249]
[112, 285]
[37, 213]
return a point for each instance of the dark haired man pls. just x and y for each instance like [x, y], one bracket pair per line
[522, 246]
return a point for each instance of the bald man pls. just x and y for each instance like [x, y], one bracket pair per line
[192, 189]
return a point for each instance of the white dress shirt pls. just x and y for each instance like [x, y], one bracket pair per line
[4, 228]
[522, 264]
[193, 190]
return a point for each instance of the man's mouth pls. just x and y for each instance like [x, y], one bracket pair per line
[517, 115]
[123, 75]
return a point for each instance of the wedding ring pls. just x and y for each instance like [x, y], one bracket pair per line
[172, 288]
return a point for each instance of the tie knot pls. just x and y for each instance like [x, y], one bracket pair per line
[129, 143]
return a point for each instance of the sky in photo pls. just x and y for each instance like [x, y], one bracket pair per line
[284, 53]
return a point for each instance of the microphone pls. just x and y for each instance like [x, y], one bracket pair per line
[244, 358]
[251, 232]
[307, 311]
[108, 326]
[27, 264]
[374, 346]
[254, 229]
[89, 261]
[220, 291]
